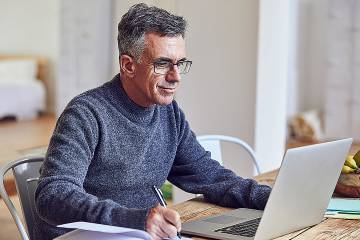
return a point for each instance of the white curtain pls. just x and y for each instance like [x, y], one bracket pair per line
[342, 87]
[85, 47]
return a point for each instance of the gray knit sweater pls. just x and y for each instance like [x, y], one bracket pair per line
[106, 153]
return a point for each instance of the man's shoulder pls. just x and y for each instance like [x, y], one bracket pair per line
[89, 97]
[87, 105]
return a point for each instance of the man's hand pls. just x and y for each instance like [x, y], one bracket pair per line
[163, 223]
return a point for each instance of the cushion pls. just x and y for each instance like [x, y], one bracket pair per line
[22, 101]
[17, 72]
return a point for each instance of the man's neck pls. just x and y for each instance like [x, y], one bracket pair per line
[132, 92]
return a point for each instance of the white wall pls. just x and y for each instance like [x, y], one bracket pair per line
[294, 53]
[218, 95]
[272, 78]
[85, 48]
[308, 57]
[325, 49]
[312, 50]
[342, 85]
[31, 28]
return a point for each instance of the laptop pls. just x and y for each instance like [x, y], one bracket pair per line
[299, 198]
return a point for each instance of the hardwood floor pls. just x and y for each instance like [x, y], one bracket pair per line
[8, 230]
[18, 139]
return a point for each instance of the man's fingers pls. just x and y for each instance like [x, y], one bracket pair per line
[172, 217]
[163, 223]
[160, 233]
[156, 236]
[169, 229]
[156, 233]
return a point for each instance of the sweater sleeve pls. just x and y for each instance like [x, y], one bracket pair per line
[194, 171]
[60, 196]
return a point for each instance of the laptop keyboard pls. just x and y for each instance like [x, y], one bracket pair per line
[246, 229]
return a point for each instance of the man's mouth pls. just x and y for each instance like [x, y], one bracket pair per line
[167, 89]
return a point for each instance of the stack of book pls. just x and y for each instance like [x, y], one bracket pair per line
[346, 208]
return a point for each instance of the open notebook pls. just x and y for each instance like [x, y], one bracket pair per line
[92, 231]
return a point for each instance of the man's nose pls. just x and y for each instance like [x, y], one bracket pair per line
[173, 74]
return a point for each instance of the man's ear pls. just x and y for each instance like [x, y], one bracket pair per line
[127, 65]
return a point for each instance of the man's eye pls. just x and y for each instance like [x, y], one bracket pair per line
[182, 63]
[162, 64]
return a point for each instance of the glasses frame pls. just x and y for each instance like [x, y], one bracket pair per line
[171, 66]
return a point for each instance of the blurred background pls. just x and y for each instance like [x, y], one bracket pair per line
[275, 73]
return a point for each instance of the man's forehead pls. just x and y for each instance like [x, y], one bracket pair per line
[158, 45]
[156, 37]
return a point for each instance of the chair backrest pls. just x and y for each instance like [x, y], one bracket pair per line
[212, 143]
[26, 174]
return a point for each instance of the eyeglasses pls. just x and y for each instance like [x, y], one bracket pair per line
[162, 67]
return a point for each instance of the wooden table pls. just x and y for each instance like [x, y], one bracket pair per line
[329, 228]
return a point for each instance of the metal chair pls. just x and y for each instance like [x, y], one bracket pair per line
[26, 174]
[212, 143]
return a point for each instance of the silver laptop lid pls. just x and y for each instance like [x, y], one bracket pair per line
[303, 188]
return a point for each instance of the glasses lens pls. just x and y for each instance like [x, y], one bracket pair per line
[164, 67]
[161, 67]
[184, 66]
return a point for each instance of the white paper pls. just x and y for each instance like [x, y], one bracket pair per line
[79, 234]
[86, 230]
[94, 231]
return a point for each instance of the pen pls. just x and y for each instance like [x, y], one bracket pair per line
[162, 201]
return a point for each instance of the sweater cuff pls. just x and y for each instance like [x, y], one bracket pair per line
[262, 194]
[134, 218]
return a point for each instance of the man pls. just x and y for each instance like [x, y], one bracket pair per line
[113, 143]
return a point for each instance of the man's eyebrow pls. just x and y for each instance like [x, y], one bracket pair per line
[165, 59]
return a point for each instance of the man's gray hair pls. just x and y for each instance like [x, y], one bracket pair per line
[141, 19]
